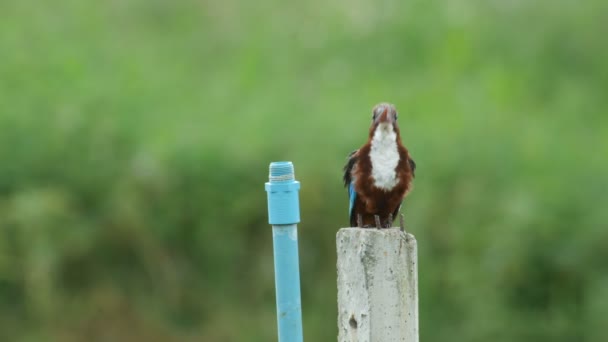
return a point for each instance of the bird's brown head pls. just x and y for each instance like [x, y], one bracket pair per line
[384, 114]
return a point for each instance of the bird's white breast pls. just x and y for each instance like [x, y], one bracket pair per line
[384, 156]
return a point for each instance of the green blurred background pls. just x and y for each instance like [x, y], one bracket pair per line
[135, 138]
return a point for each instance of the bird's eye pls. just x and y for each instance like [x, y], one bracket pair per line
[396, 116]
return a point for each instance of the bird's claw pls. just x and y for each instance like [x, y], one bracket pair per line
[377, 218]
[402, 223]
[390, 220]
[359, 221]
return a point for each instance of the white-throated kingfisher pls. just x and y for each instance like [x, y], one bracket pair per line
[379, 174]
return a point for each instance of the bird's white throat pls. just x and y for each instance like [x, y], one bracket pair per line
[384, 156]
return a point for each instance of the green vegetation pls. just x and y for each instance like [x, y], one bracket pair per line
[135, 138]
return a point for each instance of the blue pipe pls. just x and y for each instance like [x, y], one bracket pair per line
[283, 215]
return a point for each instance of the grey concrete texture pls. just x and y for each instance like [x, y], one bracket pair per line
[377, 285]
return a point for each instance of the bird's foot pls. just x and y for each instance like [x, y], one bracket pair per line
[377, 218]
[359, 221]
[402, 223]
[390, 220]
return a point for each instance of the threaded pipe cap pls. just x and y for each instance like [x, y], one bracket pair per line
[281, 172]
[282, 189]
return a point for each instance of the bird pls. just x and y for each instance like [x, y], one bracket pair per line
[379, 174]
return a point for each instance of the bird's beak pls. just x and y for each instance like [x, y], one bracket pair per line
[385, 117]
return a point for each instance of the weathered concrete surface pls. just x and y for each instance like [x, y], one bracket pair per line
[377, 285]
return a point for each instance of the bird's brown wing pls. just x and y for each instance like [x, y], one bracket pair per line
[348, 168]
[412, 166]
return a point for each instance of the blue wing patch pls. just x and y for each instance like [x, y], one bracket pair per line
[352, 195]
[349, 181]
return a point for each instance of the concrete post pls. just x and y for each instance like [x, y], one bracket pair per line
[377, 285]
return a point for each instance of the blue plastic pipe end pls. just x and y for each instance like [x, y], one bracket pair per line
[282, 190]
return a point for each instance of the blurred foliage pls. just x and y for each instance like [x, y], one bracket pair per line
[135, 138]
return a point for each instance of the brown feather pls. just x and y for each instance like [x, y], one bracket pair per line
[371, 200]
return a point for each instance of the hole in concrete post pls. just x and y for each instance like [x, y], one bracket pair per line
[352, 322]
